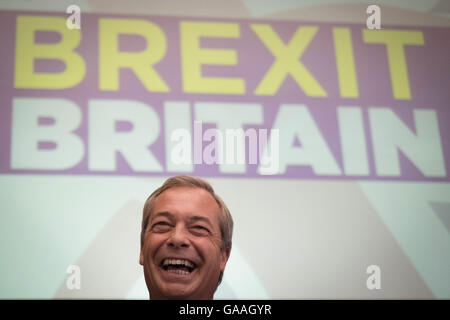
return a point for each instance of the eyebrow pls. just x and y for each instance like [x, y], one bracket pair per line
[169, 215]
[161, 214]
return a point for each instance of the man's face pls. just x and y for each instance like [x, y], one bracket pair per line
[182, 254]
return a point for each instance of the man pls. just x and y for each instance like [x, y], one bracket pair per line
[185, 240]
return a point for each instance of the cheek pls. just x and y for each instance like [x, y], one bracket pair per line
[216, 242]
[151, 247]
[210, 249]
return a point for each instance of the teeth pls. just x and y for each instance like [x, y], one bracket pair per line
[186, 263]
[178, 271]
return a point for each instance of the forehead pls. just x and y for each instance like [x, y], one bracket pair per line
[187, 201]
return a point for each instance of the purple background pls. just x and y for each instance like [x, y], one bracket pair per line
[428, 68]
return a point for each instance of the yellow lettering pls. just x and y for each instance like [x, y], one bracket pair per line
[111, 60]
[287, 61]
[27, 51]
[193, 57]
[345, 63]
[395, 40]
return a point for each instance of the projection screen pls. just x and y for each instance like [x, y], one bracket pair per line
[326, 136]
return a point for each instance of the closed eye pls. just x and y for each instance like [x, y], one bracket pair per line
[161, 223]
[201, 229]
[161, 226]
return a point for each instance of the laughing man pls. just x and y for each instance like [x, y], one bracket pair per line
[185, 240]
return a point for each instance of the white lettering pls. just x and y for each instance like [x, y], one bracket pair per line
[390, 134]
[295, 121]
[178, 137]
[353, 142]
[105, 141]
[227, 116]
[67, 148]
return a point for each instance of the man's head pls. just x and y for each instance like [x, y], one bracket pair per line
[185, 239]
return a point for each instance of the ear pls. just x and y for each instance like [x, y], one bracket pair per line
[225, 254]
[141, 258]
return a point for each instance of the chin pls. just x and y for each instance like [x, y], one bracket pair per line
[172, 291]
[177, 292]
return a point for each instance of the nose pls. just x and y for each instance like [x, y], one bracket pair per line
[178, 238]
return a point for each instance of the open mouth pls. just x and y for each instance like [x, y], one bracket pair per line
[178, 266]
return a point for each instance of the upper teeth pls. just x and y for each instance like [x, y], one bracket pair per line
[186, 263]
